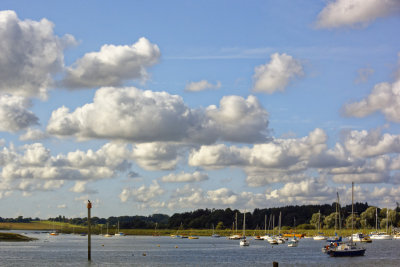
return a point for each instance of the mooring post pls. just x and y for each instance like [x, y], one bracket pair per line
[89, 206]
[275, 264]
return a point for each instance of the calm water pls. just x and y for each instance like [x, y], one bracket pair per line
[71, 250]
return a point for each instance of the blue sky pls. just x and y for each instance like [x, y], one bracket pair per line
[167, 106]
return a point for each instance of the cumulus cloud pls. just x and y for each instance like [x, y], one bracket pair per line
[188, 197]
[125, 113]
[276, 75]
[185, 177]
[341, 13]
[155, 156]
[14, 113]
[201, 86]
[279, 153]
[385, 97]
[112, 65]
[34, 161]
[311, 191]
[372, 143]
[30, 54]
[33, 134]
[235, 114]
[143, 194]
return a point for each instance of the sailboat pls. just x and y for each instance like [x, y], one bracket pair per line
[118, 233]
[320, 236]
[336, 238]
[350, 248]
[155, 231]
[244, 242]
[381, 235]
[54, 232]
[265, 236]
[107, 234]
[235, 236]
[214, 234]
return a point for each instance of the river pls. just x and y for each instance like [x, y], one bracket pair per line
[71, 250]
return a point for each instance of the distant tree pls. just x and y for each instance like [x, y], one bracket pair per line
[316, 219]
[220, 226]
[368, 218]
[329, 221]
[356, 222]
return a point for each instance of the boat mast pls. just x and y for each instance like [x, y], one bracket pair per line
[387, 219]
[265, 225]
[352, 210]
[280, 221]
[376, 220]
[236, 223]
[244, 224]
[340, 220]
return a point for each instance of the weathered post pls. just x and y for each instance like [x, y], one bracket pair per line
[89, 206]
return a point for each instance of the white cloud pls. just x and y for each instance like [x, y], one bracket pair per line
[341, 13]
[185, 177]
[239, 120]
[276, 75]
[14, 113]
[201, 86]
[310, 191]
[125, 113]
[191, 198]
[33, 134]
[112, 65]
[30, 54]
[385, 97]
[155, 156]
[279, 153]
[34, 161]
[143, 194]
[79, 187]
[373, 143]
[62, 206]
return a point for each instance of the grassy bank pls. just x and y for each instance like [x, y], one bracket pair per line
[98, 229]
[11, 237]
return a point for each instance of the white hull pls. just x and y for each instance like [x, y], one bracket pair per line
[320, 237]
[381, 237]
[244, 243]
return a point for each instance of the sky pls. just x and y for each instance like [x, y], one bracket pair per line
[150, 107]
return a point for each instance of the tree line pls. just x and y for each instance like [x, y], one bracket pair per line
[302, 217]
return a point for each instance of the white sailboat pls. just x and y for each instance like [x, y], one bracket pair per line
[214, 234]
[381, 235]
[107, 234]
[320, 236]
[244, 242]
[118, 233]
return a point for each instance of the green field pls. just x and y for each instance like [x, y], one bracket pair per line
[11, 237]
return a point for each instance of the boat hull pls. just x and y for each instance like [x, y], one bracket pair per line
[346, 253]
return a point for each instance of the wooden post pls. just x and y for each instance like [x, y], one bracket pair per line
[275, 264]
[89, 206]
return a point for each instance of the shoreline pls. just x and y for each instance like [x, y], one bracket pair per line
[12, 237]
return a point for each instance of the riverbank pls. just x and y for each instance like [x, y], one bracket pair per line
[11, 237]
[101, 229]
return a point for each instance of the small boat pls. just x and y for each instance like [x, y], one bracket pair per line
[359, 237]
[54, 233]
[214, 234]
[244, 242]
[155, 231]
[396, 236]
[320, 236]
[257, 237]
[175, 236]
[380, 236]
[293, 242]
[193, 237]
[118, 233]
[107, 234]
